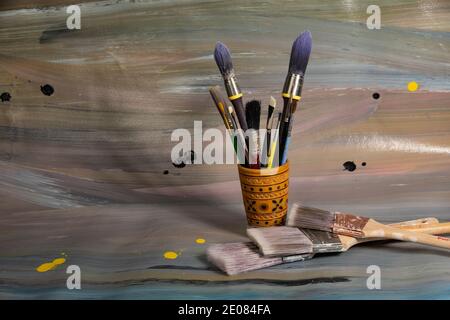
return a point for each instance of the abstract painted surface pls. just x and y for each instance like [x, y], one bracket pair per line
[87, 169]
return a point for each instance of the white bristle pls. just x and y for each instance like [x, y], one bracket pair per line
[230, 109]
[273, 102]
[238, 257]
[280, 241]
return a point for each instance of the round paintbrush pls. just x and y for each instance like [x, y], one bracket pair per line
[225, 64]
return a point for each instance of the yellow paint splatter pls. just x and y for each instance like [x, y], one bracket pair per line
[46, 267]
[413, 86]
[50, 265]
[59, 261]
[170, 255]
[200, 241]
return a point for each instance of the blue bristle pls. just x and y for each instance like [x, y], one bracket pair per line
[223, 58]
[301, 49]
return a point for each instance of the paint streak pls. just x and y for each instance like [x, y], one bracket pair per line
[387, 143]
[170, 255]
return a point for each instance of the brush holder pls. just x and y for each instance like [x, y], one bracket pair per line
[265, 195]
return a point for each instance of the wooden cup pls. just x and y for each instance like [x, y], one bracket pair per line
[265, 195]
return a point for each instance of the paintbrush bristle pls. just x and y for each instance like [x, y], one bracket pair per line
[237, 257]
[280, 241]
[301, 49]
[310, 218]
[253, 114]
[223, 59]
[273, 102]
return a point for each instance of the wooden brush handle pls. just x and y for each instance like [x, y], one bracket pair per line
[412, 225]
[415, 223]
[374, 229]
[432, 228]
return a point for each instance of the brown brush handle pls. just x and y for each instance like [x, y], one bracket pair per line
[374, 229]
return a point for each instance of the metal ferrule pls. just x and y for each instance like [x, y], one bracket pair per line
[293, 86]
[232, 87]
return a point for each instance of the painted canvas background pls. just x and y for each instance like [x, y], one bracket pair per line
[82, 171]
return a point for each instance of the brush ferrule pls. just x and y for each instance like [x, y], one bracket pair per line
[233, 90]
[293, 86]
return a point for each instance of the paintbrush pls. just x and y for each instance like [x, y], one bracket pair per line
[283, 241]
[239, 133]
[356, 226]
[221, 103]
[274, 143]
[238, 257]
[224, 63]
[253, 115]
[269, 124]
[301, 49]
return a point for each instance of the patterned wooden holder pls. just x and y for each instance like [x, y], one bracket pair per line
[265, 195]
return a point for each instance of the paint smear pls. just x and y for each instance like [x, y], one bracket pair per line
[413, 86]
[200, 240]
[50, 265]
[171, 255]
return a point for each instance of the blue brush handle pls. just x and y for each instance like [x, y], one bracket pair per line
[285, 153]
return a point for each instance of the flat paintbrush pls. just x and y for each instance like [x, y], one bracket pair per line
[269, 123]
[240, 134]
[356, 226]
[274, 143]
[238, 257]
[253, 115]
[221, 103]
[282, 241]
[223, 60]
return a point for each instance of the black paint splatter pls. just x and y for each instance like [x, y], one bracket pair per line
[188, 157]
[179, 164]
[363, 164]
[5, 96]
[376, 95]
[47, 90]
[349, 165]
[166, 172]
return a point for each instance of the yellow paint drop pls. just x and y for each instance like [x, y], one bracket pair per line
[59, 261]
[170, 255]
[413, 86]
[200, 241]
